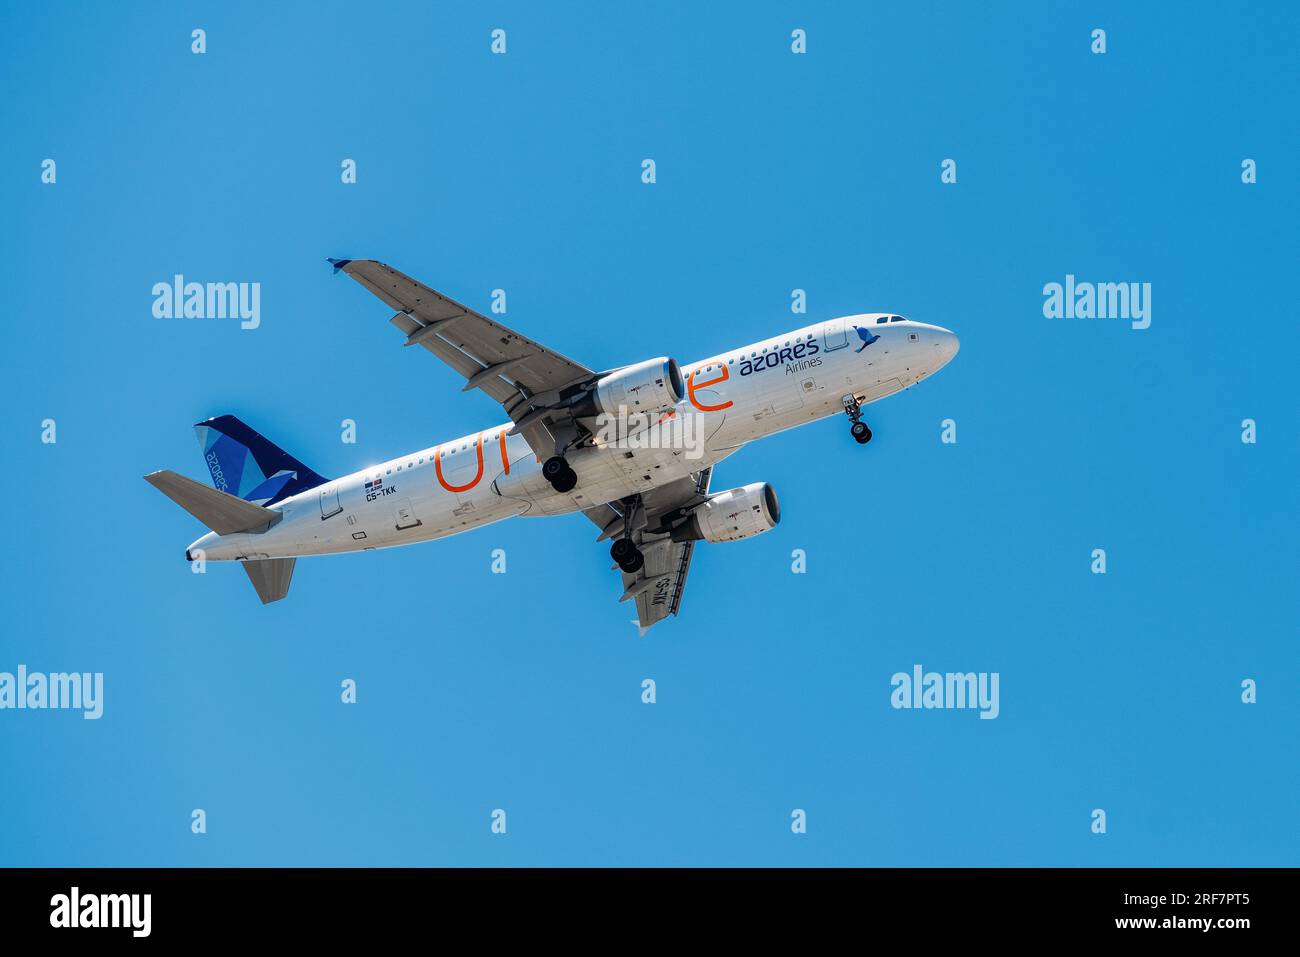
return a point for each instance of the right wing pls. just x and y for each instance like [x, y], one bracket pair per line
[524, 376]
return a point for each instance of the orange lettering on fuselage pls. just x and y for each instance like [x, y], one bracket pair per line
[437, 467]
[691, 387]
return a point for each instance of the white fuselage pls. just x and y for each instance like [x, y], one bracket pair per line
[732, 399]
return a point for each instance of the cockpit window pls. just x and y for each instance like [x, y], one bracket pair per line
[882, 320]
[895, 318]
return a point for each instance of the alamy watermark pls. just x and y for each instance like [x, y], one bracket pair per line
[1101, 300]
[634, 431]
[953, 689]
[179, 299]
[129, 911]
[58, 690]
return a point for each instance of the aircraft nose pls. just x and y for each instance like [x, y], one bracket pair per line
[947, 345]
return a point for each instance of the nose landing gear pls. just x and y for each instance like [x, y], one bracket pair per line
[859, 430]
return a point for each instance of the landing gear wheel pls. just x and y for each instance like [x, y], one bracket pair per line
[627, 555]
[560, 474]
[853, 410]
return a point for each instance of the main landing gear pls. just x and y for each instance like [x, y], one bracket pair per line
[624, 551]
[858, 429]
[560, 474]
[627, 555]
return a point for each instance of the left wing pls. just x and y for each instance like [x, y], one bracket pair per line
[658, 585]
[523, 375]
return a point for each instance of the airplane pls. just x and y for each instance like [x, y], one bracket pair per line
[631, 448]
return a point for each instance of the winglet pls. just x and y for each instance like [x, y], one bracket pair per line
[337, 263]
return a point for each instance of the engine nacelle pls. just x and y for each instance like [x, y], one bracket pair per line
[732, 515]
[651, 386]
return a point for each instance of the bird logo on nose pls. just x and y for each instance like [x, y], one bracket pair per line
[866, 336]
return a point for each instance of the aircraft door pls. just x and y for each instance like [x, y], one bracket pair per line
[834, 335]
[329, 502]
[404, 515]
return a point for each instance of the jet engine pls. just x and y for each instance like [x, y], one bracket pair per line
[732, 515]
[651, 386]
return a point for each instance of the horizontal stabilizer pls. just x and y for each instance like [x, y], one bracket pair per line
[223, 513]
[271, 577]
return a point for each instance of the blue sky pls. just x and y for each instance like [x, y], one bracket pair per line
[775, 171]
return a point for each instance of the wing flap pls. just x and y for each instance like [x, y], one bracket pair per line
[661, 580]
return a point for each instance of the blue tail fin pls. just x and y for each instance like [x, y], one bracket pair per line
[245, 464]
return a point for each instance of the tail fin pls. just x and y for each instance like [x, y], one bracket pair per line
[245, 464]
